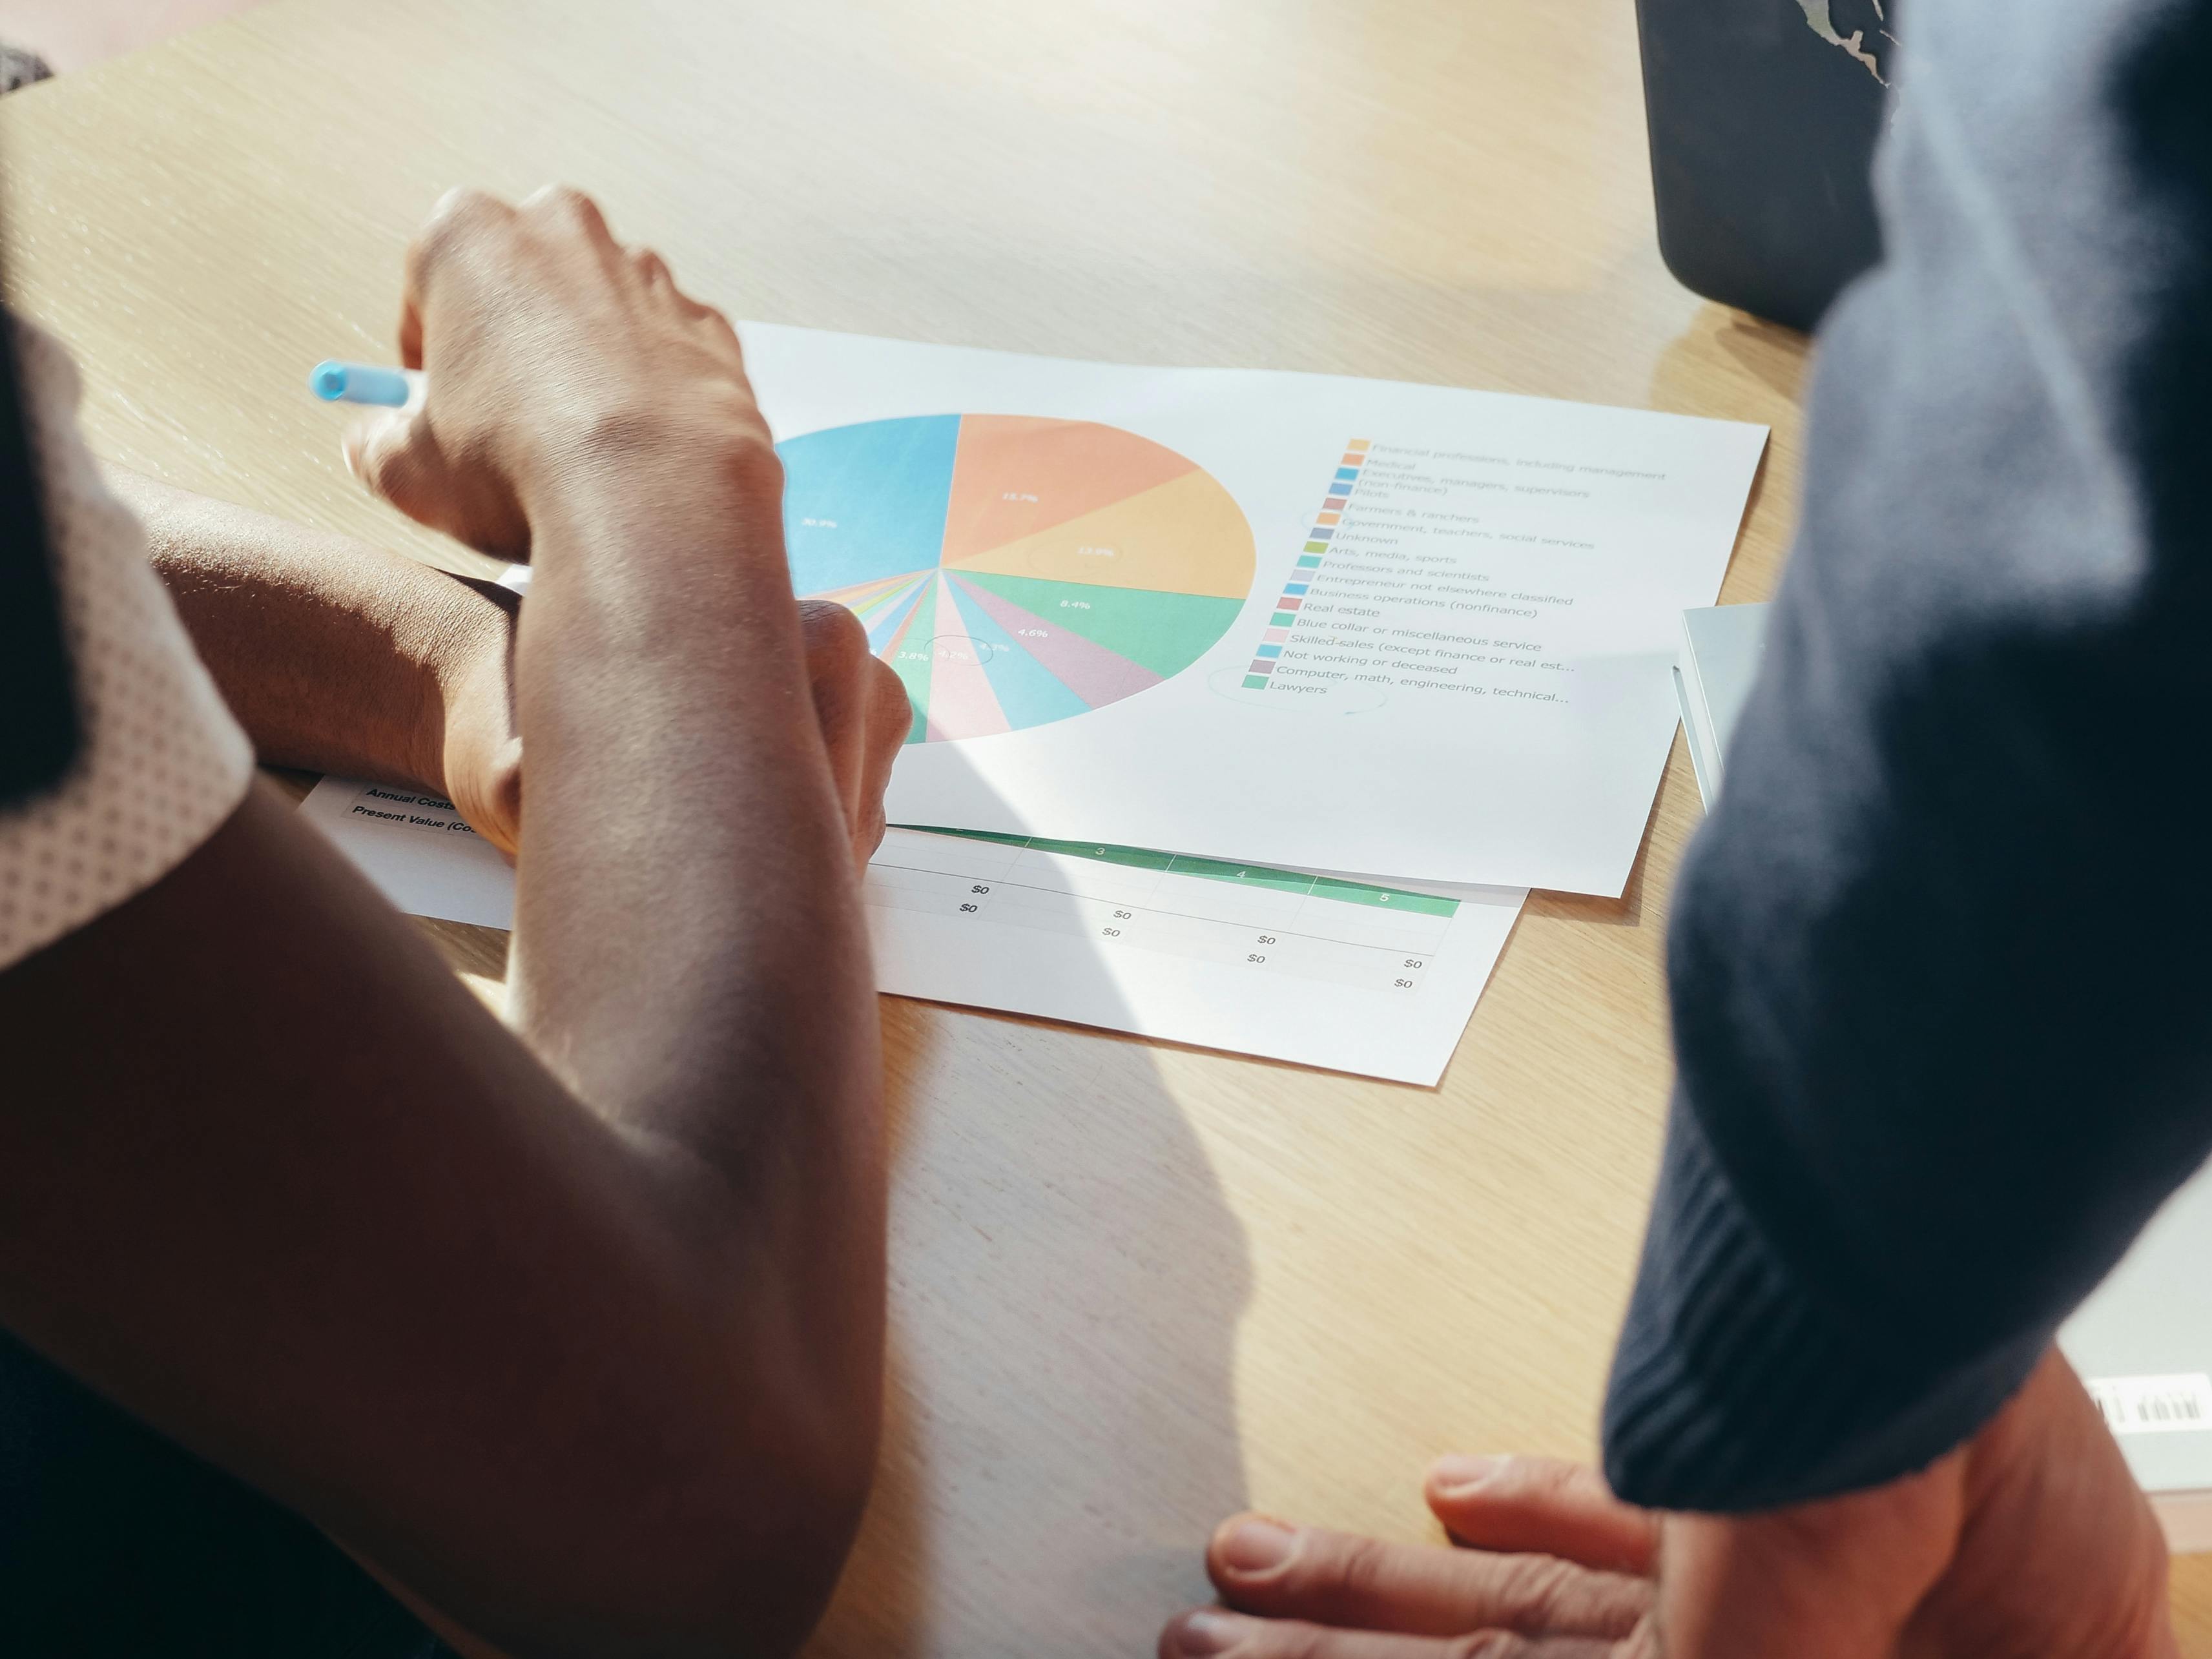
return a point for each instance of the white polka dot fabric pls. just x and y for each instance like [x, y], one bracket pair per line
[162, 763]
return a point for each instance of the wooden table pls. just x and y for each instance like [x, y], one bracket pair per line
[1136, 1287]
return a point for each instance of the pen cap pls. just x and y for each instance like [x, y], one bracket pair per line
[360, 383]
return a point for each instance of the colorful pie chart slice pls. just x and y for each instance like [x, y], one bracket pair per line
[1015, 570]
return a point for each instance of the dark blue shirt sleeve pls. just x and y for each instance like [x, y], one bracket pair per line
[1940, 960]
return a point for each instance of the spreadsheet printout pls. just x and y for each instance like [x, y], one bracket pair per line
[1321, 969]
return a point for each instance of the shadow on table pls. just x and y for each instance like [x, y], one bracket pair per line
[1067, 1279]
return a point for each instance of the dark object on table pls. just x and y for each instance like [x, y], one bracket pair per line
[38, 729]
[19, 67]
[1763, 115]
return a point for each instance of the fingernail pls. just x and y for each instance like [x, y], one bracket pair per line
[1206, 1633]
[1253, 1545]
[1461, 1473]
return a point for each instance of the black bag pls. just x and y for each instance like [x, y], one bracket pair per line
[1763, 115]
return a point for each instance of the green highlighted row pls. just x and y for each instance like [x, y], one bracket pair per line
[1247, 875]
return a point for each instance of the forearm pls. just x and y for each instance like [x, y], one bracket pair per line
[335, 655]
[693, 962]
[696, 964]
[360, 1248]
[1940, 1055]
[660, 665]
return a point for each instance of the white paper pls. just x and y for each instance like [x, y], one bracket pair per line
[418, 851]
[1377, 978]
[1475, 685]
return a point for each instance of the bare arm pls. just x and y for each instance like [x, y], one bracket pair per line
[338, 656]
[577, 1335]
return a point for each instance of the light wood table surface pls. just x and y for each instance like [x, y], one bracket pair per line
[1136, 1287]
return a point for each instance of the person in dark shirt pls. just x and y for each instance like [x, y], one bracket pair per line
[1943, 1007]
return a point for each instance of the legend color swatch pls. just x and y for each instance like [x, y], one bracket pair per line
[1258, 677]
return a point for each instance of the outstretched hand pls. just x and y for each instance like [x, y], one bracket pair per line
[1547, 1562]
[2031, 1541]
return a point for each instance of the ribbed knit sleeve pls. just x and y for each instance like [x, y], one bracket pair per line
[1943, 1007]
[1736, 1389]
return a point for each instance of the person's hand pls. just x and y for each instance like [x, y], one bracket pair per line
[568, 372]
[2030, 1541]
[858, 702]
[552, 352]
[865, 717]
[474, 745]
[1549, 1563]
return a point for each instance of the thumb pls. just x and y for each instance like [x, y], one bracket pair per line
[1540, 1506]
[394, 454]
[495, 812]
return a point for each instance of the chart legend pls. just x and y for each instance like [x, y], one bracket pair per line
[1292, 599]
[1015, 570]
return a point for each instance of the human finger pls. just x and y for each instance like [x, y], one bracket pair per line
[1261, 1565]
[398, 455]
[462, 217]
[395, 456]
[836, 644]
[715, 318]
[847, 707]
[1544, 1505]
[1211, 1633]
[565, 205]
[888, 728]
[501, 805]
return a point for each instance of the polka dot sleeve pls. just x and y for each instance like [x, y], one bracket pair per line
[162, 762]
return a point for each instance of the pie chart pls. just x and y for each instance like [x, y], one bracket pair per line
[1014, 570]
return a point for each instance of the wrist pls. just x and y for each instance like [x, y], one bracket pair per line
[662, 485]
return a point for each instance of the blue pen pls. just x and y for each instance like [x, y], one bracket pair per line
[361, 383]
